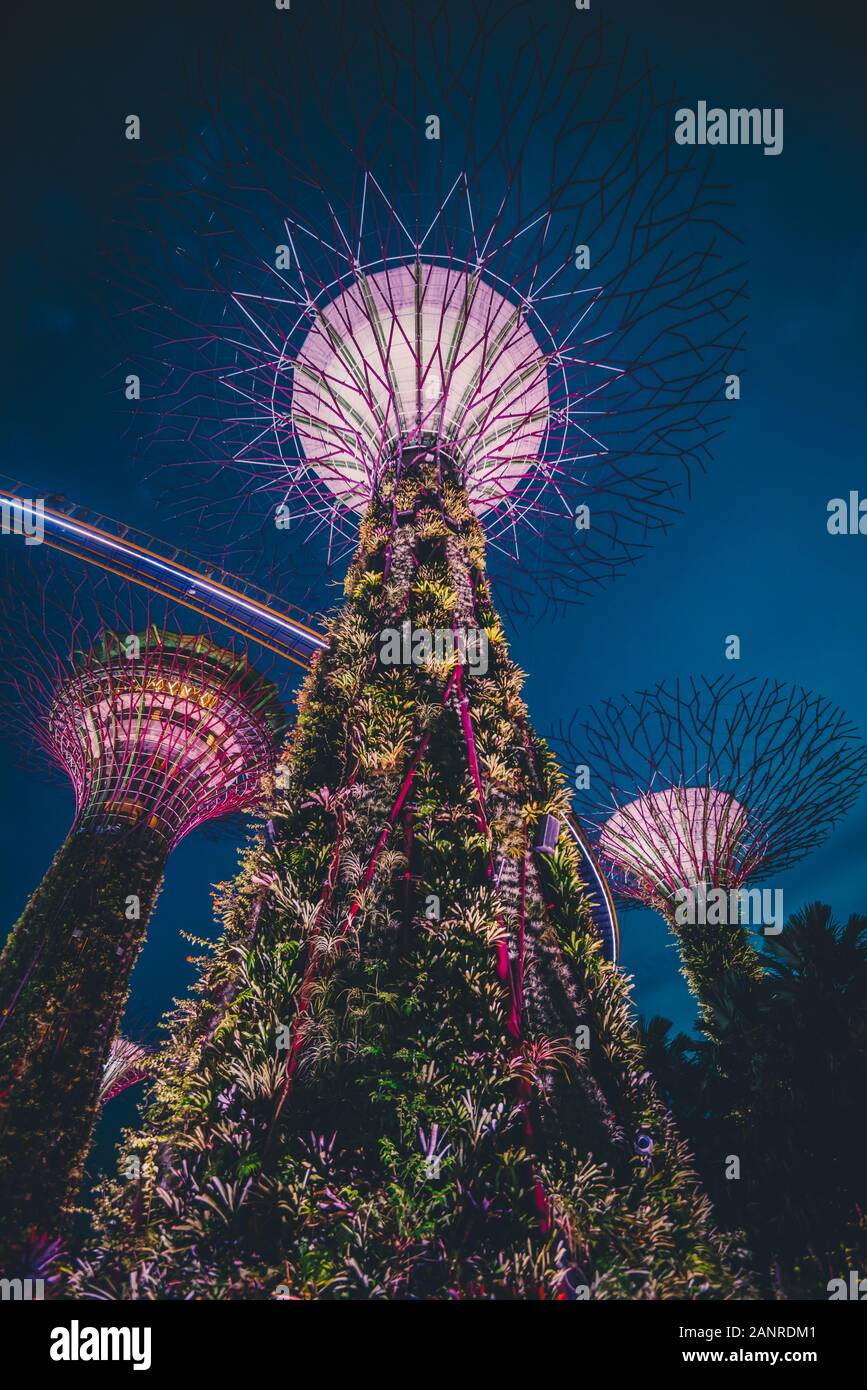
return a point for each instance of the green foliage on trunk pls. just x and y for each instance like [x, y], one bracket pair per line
[380, 1088]
[64, 981]
[714, 955]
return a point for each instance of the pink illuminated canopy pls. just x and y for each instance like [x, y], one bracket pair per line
[420, 353]
[676, 838]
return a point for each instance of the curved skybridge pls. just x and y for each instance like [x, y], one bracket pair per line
[143, 559]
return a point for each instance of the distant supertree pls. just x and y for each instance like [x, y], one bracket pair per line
[711, 784]
[410, 1070]
[158, 731]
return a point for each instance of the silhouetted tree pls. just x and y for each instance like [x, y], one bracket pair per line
[781, 1089]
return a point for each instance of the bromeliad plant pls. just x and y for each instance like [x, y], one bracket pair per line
[407, 1071]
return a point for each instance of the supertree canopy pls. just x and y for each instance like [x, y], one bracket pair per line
[676, 838]
[546, 289]
[420, 354]
[125, 1064]
[158, 731]
[162, 729]
[712, 784]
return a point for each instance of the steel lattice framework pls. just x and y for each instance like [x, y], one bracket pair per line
[566, 341]
[165, 729]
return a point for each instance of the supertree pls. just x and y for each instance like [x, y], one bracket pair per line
[273, 284]
[697, 788]
[409, 1070]
[158, 731]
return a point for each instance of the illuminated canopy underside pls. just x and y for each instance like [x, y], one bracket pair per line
[676, 838]
[420, 354]
[147, 742]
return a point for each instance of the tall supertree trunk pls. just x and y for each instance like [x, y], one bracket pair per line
[409, 1071]
[715, 957]
[64, 981]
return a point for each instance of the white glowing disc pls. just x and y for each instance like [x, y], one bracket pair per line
[675, 838]
[417, 353]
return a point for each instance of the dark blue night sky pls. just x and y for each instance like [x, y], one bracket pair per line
[751, 555]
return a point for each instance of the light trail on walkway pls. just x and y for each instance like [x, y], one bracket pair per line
[142, 559]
